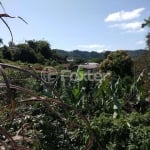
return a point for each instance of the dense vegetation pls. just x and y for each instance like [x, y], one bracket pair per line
[92, 56]
[32, 52]
[109, 113]
[104, 110]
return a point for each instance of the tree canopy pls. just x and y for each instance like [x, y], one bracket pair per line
[147, 24]
[118, 62]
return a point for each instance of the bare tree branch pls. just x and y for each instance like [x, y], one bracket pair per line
[8, 28]
[22, 19]
[2, 6]
[7, 15]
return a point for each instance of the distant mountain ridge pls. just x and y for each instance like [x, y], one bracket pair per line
[78, 54]
[135, 53]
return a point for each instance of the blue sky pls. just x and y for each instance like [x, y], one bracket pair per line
[92, 25]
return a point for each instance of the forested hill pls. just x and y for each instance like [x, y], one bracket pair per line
[40, 52]
[90, 55]
[135, 53]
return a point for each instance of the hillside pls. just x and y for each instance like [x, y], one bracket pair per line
[40, 52]
[78, 54]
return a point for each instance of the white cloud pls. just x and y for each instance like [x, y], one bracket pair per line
[124, 15]
[92, 47]
[140, 42]
[132, 25]
[129, 27]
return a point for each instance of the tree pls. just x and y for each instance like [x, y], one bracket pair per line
[141, 64]
[6, 53]
[41, 47]
[44, 49]
[25, 54]
[119, 62]
[106, 53]
[148, 40]
[1, 41]
[32, 43]
[147, 24]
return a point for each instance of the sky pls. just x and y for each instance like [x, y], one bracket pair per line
[89, 25]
